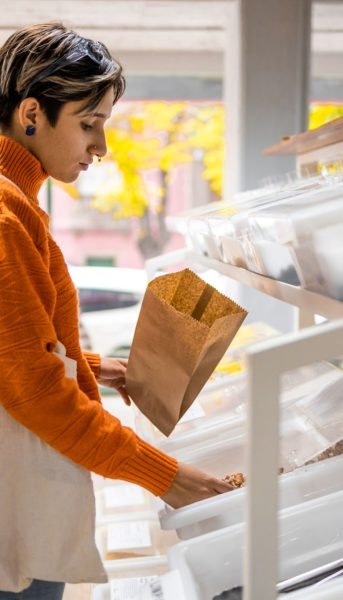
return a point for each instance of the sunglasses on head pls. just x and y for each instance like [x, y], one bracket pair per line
[82, 50]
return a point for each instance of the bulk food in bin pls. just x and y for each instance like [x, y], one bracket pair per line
[237, 480]
[235, 593]
[334, 450]
[305, 580]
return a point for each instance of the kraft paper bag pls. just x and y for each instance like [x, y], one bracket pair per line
[183, 330]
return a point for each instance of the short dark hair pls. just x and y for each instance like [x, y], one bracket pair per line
[34, 62]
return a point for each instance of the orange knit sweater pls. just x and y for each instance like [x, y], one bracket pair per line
[38, 307]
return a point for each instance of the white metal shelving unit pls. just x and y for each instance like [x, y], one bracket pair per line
[266, 361]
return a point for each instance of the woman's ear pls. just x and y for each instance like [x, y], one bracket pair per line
[29, 112]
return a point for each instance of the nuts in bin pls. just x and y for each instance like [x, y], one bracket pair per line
[235, 479]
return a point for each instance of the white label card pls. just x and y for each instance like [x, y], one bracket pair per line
[128, 535]
[137, 588]
[123, 495]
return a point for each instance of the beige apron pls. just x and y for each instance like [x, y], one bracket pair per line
[47, 509]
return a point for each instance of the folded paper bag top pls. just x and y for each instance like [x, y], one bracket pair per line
[184, 327]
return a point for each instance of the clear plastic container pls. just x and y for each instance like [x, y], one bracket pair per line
[329, 590]
[324, 410]
[328, 247]
[271, 259]
[199, 236]
[279, 239]
[132, 537]
[220, 230]
[192, 224]
[310, 535]
[225, 452]
[293, 220]
[226, 406]
[221, 408]
[302, 485]
[308, 268]
[130, 568]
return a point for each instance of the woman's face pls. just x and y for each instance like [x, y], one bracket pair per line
[71, 145]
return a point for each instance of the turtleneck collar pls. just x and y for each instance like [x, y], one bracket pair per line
[19, 165]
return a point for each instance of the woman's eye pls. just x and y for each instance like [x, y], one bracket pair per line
[86, 127]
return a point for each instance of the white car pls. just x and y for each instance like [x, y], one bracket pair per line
[110, 300]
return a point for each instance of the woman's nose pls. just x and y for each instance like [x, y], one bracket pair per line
[99, 149]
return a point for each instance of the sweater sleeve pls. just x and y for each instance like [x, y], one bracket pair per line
[93, 361]
[33, 386]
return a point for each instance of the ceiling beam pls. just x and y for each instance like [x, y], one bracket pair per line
[118, 15]
[150, 40]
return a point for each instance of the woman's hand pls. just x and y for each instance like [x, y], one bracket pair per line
[191, 485]
[112, 375]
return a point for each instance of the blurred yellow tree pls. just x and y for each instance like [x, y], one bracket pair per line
[146, 141]
[323, 113]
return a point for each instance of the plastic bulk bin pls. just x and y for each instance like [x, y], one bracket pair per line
[274, 260]
[270, 259]
[135, 536]
[302, 485]
[210, 229]
[228, 229]
[308, 268]
[225, 403]
[310, 535]
[233, 253]
[299, 442]
[293, 220]
[260, 256]
[326, 590]
[282, 237]
[192, 224]
[330, 590]
[130, 568]
[226, 411]
[178, 222]
[201, 239]
[324, 411]
[328, 247]
[218, 447]
[225, 226]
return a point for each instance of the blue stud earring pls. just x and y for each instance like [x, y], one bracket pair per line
[30, 130]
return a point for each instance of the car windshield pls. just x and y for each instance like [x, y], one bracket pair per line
[93, 299]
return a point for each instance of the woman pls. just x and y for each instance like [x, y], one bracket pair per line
[56, 91]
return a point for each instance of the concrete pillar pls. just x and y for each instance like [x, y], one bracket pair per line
[266, 82]
[265, 89]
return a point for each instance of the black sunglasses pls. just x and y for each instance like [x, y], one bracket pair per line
[83, 49]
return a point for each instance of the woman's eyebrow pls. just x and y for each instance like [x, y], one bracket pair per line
[93, 114]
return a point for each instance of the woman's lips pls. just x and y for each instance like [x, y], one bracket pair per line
[84, 166]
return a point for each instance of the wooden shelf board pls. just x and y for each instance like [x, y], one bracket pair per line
[314, 139]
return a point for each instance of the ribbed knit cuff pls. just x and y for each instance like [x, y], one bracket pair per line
[150, 468]
[93, 361]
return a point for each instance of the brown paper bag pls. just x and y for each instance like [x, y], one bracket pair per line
[184, 328]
